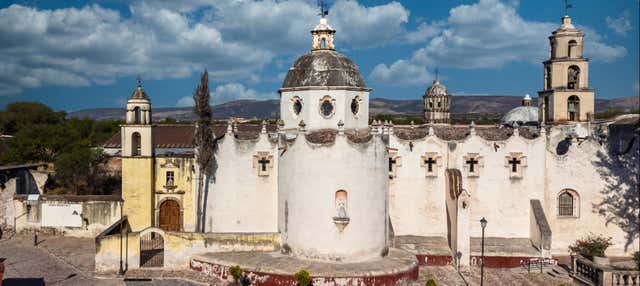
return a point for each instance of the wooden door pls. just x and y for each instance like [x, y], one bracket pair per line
[170, 216]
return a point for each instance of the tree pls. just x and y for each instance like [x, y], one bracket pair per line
[205, 143]
[17, 115]
[79, 169]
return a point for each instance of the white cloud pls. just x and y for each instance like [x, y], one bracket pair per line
[400, 73]
[620, 25]
[173, 39]
[422, 34]
[236, 91]
[186, 101]
[488, 34]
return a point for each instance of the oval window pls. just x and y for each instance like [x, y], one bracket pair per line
[326, 108]
[297, 106]
[355, 106]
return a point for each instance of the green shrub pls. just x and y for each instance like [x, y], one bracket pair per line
[636, 258]
[236, 272]
[431, 282]
[591, 245]
[303, 277]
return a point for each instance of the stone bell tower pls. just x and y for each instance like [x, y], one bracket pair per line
[137, 160]
[566, 95]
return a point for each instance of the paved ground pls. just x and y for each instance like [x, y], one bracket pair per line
[59, 261]
[69, 261]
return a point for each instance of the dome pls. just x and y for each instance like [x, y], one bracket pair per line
[522, 115]
[436, 89]
[139, 93]
[323, 68]
[566, 25]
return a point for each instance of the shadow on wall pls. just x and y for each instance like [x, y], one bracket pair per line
[621, 198]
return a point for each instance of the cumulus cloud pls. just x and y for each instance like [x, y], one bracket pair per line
[186, 101]
[400, 73]
[162, 39]
[620, 25]
[236, 91]
[490, 34]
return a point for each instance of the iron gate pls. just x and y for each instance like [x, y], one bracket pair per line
[151, 250]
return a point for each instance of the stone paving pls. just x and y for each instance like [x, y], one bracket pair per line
[69, 261]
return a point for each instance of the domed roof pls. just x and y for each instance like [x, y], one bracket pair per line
[566, 26]
[436, 89]
[323, 68]
[521, 115]
[139, 93]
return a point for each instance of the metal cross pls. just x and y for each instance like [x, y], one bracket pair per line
[429, 162]
[263, 161]
[567, 6]
[391, 162]
[472, 162]
[514, 164]
[323, 12]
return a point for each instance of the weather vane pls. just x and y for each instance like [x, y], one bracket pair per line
[323, 12]
[567, 6]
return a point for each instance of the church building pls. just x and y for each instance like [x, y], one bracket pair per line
[326, 185]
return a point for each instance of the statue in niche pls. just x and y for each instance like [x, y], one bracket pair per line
[342, 218]
[342, 209]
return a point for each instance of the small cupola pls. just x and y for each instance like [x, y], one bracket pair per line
[138, 106]
[526, 101]
[322, 34]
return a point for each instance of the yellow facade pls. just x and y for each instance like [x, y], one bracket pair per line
[174, 180]
[137, 191]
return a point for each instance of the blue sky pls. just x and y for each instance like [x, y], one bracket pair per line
[73, 55]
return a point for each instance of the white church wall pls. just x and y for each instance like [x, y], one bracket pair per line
[310, 175]
[417, 202]
[240, 200]
[575, 170]
[311, 100]
[503, 200]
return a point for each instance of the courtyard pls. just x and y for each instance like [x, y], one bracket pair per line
[58, 260]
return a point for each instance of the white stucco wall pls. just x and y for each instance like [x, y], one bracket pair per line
[240, 200]
[311, 100]
[309, 177]
[417, 202]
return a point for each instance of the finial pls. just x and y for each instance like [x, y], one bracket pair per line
[230, 127]
[340, 127]
[139, 80]
[472, 128]
[302, 126]
[264, 127]
[566, 7]
[323, 12]
[235, 127]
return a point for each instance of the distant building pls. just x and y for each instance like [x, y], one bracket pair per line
[437, 103]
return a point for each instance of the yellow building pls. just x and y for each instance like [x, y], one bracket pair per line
[566, 95]
[158, 172]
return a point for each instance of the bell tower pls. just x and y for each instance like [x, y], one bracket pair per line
[138, 160]
[566, 95]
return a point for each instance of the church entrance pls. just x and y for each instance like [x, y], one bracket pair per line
[151, 250]
[169, 217]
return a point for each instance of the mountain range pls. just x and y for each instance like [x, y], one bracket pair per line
[460, 104]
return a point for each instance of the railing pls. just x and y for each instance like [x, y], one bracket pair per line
[591, 273]
[536, 264]
[625, 278]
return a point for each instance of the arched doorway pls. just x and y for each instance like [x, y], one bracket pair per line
[169, 216]
[151, 250]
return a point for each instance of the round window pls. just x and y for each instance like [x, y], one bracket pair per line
[326, 108]
[355, 106]
[297, 106]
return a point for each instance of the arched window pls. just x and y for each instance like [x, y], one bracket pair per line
[355, 105]
[572, 48]
[573, 107]
[324, 43]
[573, 77]
[135, 144]
[137, 115]
[568, 203]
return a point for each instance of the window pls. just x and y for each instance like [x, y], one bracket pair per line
[297, 106]
[568, 203]
[572, 48]
[137, 115]
[573, 77]
[170, 178]
[355, 105]
[326, 106]
[135, 144]
[324, 43]
[573, 107]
